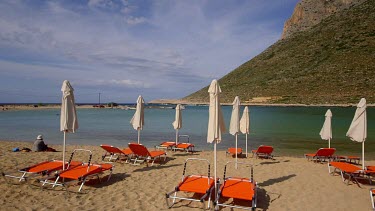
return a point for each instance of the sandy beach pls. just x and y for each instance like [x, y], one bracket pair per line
[285, 183]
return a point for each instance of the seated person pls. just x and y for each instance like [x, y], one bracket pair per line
[40, 146]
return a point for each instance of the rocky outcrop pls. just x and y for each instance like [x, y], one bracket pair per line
[308, 13]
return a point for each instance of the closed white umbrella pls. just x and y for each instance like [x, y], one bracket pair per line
[139, 117]
[326, 131]
[234, 127]
[216, 124]
[68, 116]
[245, 124]
[358, 128]
[177, 124]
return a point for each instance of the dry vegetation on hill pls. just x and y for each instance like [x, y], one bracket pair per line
[331, 63]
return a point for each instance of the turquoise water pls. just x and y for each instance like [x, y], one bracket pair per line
[291, 130]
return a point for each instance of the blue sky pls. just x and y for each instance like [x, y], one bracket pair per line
[122, 49]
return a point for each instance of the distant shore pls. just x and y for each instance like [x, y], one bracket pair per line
[179, 101]
[5, 107]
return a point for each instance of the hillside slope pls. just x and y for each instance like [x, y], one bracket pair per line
[331, 63]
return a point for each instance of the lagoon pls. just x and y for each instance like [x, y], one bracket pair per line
[292, 131]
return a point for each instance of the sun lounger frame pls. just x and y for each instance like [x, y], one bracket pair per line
[217, 204]
[80, 179]
[348, 159]
[170, 145]
[317, 157]
[114, 155]
[139, 159]
[262, 154]
[46, 172]
[189, 148]
[173, 194]
[352, 175]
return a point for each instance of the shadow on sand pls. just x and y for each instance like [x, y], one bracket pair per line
[276, 180]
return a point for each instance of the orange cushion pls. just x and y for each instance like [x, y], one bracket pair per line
[346, 167]
[238, 189]
[196, 184]
[233, 150]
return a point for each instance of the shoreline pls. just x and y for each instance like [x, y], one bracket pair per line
[5, 107]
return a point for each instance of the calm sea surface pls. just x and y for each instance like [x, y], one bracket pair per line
[291, 130]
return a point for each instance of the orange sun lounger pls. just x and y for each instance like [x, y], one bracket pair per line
[197, 184]
[263, 152]
[80, 173]
[353, 172]
[184, 146]
[142, 154]
[244, 189]
[166, 145]
[232, 151]
[187, 147]
[43, 169]
[114, 153]
[321, 155]
[349, 159]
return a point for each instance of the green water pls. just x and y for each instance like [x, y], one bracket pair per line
[291, 130]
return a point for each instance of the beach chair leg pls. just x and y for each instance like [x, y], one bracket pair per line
[103, 156]
[168, 198]
[110, 174]
[372, 198]
[55, 183]
[83, 182]
[329, 169]
[342, 177]
[23, 177]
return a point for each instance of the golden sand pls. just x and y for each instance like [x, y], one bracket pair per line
[285, 183]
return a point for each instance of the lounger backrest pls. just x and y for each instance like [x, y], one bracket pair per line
[111, 149]
[139, 149]
[265, 149]
[326, 152]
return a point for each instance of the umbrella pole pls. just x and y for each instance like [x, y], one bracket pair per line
[215, 176]
[236, 150]
[139, 134]
[363, 155]
[246, 145]
[64, 151]
[176, 136]
[329, 143]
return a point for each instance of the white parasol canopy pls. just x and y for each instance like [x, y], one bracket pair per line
[245, 124]
[216, 124]
[358, 128]
[326, 131]
[177, 124]
[234, 127]
[139, 117]
[68, 116]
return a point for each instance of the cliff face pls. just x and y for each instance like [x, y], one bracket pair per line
[308, 13]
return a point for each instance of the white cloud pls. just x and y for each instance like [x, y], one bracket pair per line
[125, 83]
[135, 20]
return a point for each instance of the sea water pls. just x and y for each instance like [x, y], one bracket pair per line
[290, 130]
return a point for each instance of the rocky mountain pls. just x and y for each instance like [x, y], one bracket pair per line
[308, 13]
[333, 62]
